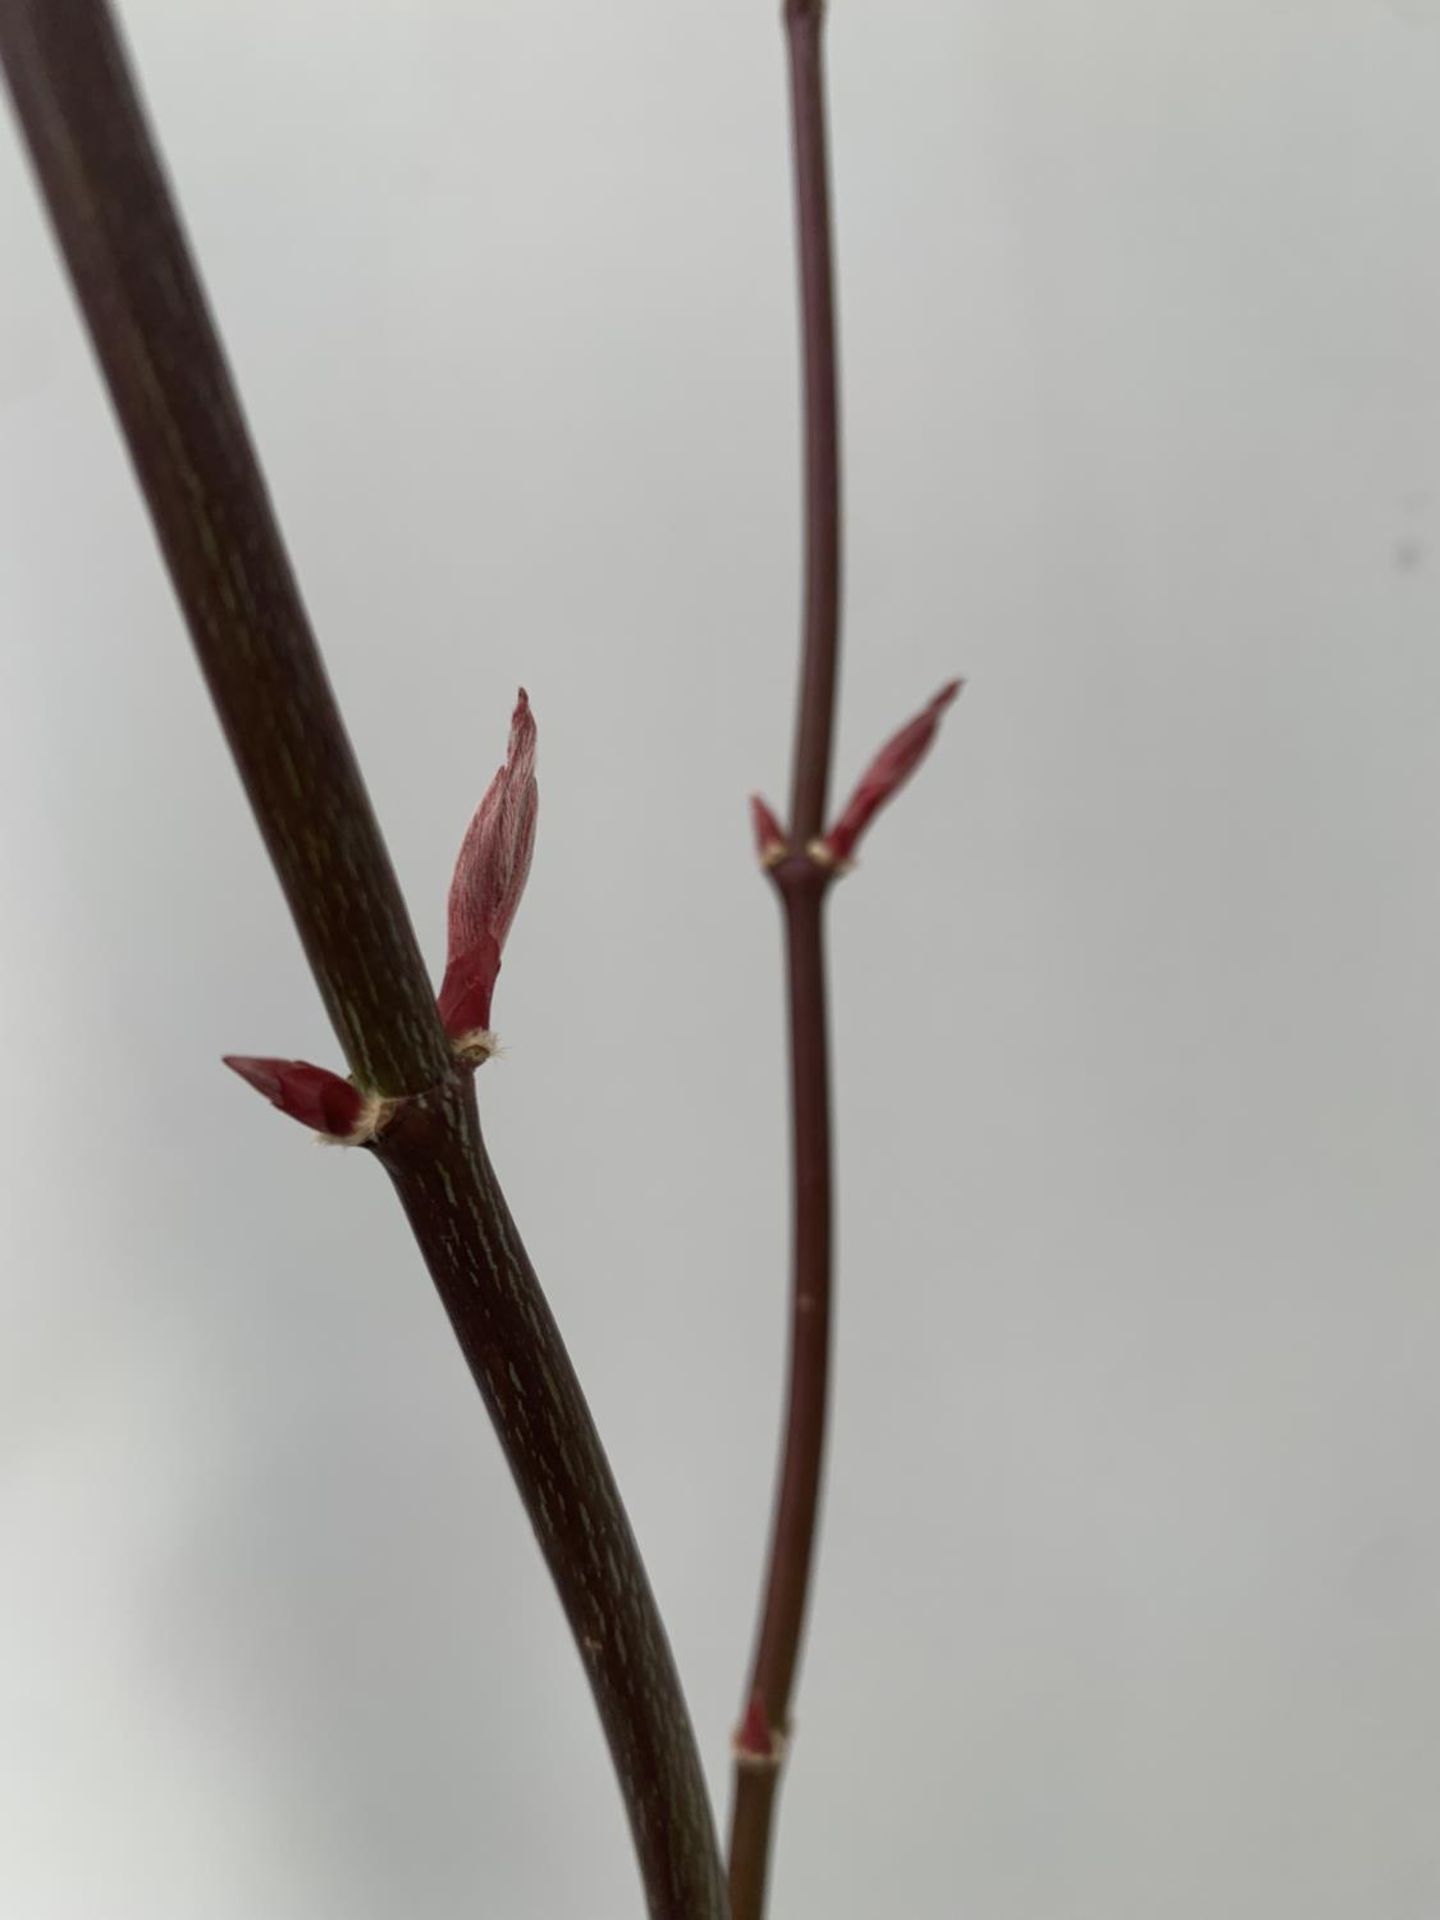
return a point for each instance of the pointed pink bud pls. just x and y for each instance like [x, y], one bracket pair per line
[753, 1738]
[312, 1095]
[469, 983]
[886, 774]
[770, 843]
[490, 875]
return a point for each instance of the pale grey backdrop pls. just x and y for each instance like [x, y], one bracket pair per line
[1130, 1589]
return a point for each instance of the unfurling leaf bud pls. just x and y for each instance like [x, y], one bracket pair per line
[770, 842]
[883, 778]
[490, 876]
[312, 1095]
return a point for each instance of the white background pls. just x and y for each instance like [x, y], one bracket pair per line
[1129, 1598]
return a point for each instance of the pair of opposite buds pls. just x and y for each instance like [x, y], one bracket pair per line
[490, 875]
[880, 782]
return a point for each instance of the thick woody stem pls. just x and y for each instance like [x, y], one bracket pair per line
[802, 884]
[434, 1154]
[147, 317]
[169, 383]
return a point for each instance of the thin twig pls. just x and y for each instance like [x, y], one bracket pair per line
[815, 708]
[147, 317]
[761, 1750]
[802, 884]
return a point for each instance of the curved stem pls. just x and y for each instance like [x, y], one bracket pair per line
[147, 316]
[435, 1155]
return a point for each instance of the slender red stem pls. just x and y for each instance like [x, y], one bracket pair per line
[798, 1493]
[815, 708]
[803, 885]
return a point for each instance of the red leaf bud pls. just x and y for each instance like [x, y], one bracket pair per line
[885, 776]
[490, 874]
[770, 842]
[469, 983]
[312, 1095]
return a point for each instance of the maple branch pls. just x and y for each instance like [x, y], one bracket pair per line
[142, 301]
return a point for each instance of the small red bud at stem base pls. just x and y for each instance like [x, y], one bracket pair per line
[756, 1744]
[312, 1095]
[770, 842]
